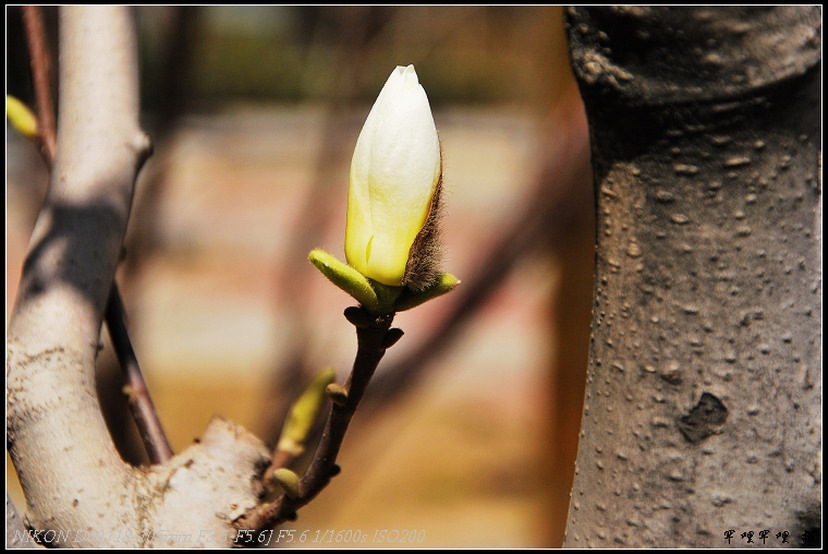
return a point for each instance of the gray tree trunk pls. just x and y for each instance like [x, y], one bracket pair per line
[703, 404]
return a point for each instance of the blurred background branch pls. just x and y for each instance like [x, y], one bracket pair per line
[41, 64]
[469, 428]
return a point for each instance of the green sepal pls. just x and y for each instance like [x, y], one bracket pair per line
[304, 413]
[386, 297]
[346, 277]
[411, 299]
[373, 296]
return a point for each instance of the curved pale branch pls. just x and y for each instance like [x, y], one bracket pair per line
[58, 439]
[73, 478]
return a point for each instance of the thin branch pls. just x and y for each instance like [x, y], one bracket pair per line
[140, 402]
[41, 62]
[373, 339]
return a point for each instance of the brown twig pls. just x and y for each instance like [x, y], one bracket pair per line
[140, 402]
[41, 63]
[373, 339]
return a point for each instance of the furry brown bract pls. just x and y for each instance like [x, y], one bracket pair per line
[427, 253]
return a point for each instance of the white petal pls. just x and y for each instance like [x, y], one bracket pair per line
[394, 173]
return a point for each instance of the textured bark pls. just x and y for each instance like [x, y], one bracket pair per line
[17, 536]
[78, 490]
[703, 402]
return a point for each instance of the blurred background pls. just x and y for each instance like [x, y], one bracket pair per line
[469, 429]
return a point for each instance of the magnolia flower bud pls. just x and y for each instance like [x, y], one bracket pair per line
[393, 199]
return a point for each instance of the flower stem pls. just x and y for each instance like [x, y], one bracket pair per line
[373, 340]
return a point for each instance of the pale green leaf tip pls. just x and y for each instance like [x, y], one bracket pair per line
[325, 376]
[304, 413]
[444, 283]
[21, 117]
[289, 481]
